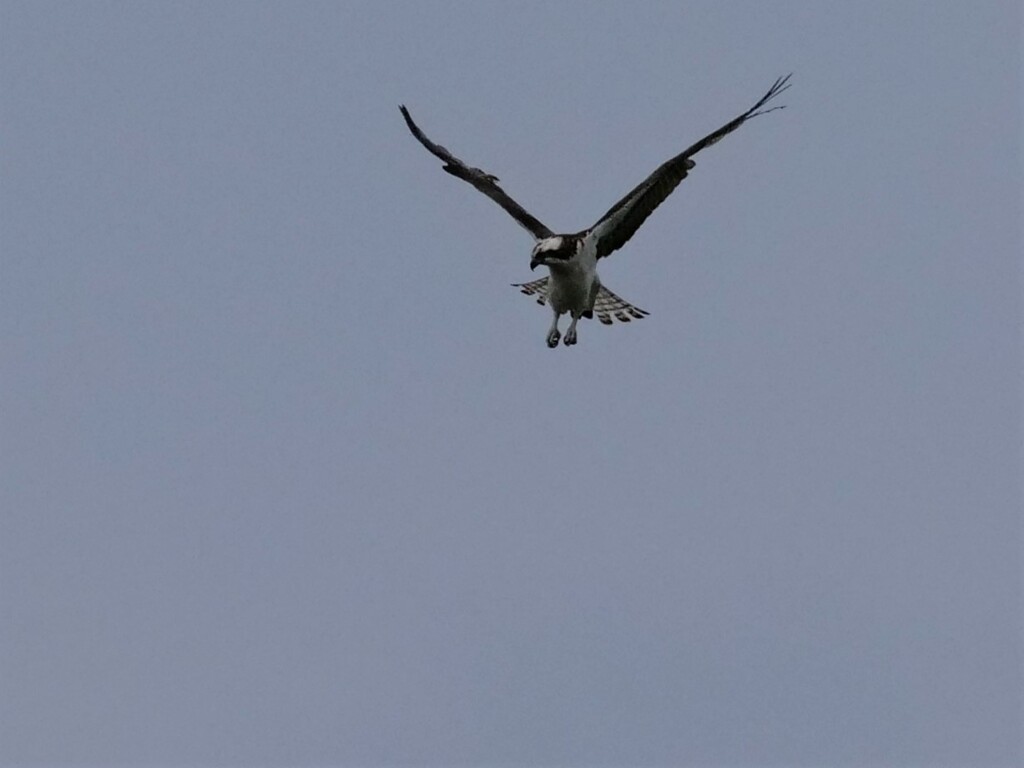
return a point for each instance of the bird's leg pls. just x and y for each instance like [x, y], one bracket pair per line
[570, 332]
[553, 334]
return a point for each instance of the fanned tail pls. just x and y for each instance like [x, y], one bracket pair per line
[607, 306]
[538, 289]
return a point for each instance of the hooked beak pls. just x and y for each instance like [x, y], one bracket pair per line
[535, 261]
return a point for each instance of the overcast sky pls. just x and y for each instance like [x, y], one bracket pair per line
[290, 478]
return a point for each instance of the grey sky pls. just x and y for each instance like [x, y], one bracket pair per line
[290, 477]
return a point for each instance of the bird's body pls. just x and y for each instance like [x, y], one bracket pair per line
[573, 286]
[573, 283]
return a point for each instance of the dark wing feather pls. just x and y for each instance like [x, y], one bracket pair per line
[624, 218]
[484, 182]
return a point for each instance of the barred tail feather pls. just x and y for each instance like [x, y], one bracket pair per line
[537, 289]
[608, 306]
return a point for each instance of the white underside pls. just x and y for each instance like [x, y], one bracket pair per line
[574, 285]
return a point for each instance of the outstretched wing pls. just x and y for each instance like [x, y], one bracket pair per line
[484, 182]
[624, 218]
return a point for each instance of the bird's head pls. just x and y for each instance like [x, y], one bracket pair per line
[552, 251]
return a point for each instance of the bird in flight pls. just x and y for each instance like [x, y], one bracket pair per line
[572, 286]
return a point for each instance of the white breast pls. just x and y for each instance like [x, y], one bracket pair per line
[572, 283]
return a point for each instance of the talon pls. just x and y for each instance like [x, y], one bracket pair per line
[553, 338]
[570, 339]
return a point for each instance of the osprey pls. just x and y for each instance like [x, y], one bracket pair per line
[573, 286]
